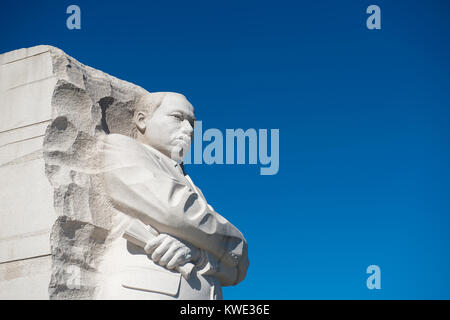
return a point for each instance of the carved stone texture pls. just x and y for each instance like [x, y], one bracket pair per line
[53, 108]
[86, 104]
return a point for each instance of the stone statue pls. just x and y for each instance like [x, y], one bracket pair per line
[97, 204]
[145, 180]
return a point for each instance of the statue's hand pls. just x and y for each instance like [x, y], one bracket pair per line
[170, 252]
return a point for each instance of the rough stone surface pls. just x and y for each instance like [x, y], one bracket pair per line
[53, 109]
[86, 104]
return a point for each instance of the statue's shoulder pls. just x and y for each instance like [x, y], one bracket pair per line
[119, 142]
[126, 150]
[120, 139]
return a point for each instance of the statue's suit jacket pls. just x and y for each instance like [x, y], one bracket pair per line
[144, 184]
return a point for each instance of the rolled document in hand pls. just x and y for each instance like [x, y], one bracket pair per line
[139, 234]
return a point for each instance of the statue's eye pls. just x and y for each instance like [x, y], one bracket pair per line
[177, 116]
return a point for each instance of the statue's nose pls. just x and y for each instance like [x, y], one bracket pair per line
[188, 127]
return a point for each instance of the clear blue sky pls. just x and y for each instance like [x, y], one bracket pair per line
[363, 116]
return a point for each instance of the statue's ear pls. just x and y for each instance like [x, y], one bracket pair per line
[139, 120]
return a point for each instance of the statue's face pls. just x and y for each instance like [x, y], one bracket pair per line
[170, 128]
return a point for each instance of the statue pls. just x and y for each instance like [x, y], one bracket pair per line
[107, 210]
[146, 183]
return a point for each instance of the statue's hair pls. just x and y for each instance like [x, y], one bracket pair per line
[147, 103]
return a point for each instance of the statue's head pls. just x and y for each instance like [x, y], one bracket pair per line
[164, 121]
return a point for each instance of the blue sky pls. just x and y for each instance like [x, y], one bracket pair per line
[363, 118]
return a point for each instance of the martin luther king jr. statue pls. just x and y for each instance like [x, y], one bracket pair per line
[192, 251]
